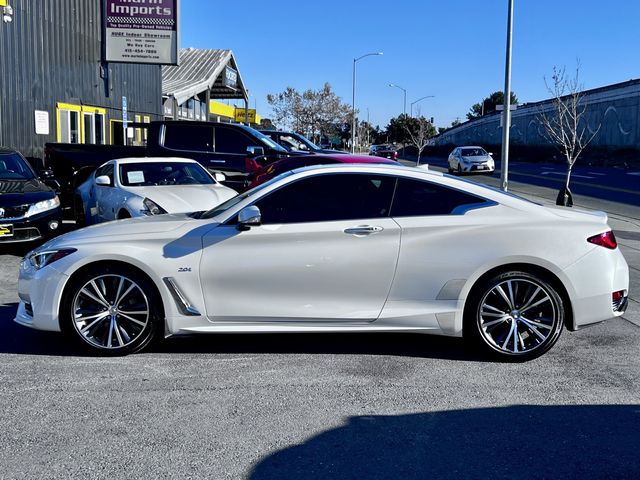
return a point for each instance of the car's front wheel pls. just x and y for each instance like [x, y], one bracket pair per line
[110, 310]
[514, 316]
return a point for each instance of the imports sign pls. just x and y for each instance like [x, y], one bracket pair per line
[141, 31]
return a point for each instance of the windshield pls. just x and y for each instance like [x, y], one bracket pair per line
[304, 142]
[473, 152]
[14, 167]
[163, 173]
[224, 206]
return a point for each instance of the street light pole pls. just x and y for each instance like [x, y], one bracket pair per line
[506, 114]
[404, 105]
[421, 98]
[353, 100]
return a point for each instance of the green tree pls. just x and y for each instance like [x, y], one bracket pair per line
[488, 105]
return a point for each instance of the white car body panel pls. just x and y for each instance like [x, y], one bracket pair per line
[105, 203]
[414, 275]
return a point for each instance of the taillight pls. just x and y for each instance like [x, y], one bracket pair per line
[606, 240]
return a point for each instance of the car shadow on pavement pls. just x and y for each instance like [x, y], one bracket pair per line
[15, 338]
[390, 344]
[18, 339]
[514, 442]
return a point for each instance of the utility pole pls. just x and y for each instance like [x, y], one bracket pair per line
[353, 100]
[506, 113]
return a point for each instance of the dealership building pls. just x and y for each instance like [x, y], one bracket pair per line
[59, 81]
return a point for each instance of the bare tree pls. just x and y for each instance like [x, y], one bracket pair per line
[312, 112]
[564, 125]
[419, 132]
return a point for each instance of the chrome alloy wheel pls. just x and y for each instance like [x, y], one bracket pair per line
[517, 316]
[110, 311]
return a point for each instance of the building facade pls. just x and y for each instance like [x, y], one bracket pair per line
[54, 86]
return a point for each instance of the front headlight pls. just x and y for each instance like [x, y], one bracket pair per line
[42, 259]
[152, 208]
[43, 206]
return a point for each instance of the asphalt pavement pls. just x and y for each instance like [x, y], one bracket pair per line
[326, 406]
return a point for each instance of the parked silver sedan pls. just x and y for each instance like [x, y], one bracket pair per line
[471, 159]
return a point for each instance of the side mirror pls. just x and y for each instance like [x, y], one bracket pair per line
[249, 217]
[220, 177]
[255, 151]
[103, 180]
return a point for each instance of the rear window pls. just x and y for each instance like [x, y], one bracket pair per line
[416, 198]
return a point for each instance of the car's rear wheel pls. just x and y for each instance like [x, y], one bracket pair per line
[514, 316]
[110, 310]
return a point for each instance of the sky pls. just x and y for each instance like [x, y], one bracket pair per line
[451, 49]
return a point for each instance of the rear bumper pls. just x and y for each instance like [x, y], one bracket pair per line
[595, 277]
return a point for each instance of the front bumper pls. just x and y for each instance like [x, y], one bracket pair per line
[40, 292]
[32, 228]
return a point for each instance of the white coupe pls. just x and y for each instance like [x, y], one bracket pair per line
[135, 187]
[335, 248]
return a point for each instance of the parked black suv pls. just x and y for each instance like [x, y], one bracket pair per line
[29, 209]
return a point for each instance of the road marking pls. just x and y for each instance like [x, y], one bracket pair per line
[573, 175]
[597, 173]
[633, 173]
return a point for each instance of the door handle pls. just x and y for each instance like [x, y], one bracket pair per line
[362, 230]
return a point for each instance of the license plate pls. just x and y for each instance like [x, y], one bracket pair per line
[6, 230]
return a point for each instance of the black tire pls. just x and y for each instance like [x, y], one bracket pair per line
[92, 317]
[495, 322]
[79, 213]
[459, 171]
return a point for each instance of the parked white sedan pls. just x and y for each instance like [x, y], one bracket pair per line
[136, 187]
[335, 248]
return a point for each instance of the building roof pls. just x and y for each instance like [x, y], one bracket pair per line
[198, 71]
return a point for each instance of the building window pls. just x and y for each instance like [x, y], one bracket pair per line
[145, 131]
[68, 117]
[80, 124]
[138, 135]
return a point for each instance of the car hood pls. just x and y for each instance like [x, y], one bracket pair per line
[477, 158]
[185, 198]
[21, 192]
[133, 228]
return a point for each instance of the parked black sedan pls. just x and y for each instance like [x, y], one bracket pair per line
[29, 209]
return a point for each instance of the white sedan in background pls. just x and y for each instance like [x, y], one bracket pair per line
[471, 159]
[335, 248]
[136, 187]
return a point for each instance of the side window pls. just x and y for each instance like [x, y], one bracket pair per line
[417, 198]
[331, 197]
[196, 138]
[106, 170]
[229, 140]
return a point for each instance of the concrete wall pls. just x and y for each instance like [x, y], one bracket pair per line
[615, 108]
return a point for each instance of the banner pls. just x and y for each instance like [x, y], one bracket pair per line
[141, 31]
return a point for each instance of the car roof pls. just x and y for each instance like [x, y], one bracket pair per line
[470, 146]
[468, 186]
[7, 150]
[153, 160]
